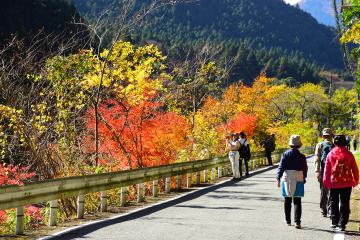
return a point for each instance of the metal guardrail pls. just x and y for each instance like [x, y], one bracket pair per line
[52, 190]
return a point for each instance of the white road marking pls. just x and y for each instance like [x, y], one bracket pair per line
[339, 236]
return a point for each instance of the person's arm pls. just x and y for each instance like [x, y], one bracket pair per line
[305, 168]
[248, 147]
[280, 169]
[233, 146]
[318, 160]
[355, 171]
[327, 171]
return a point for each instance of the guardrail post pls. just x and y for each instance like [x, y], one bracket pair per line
[188, 180]
[213, 171]
[53, 212]
[123, 193]
[140, 192]
[205, 175]
[155, 188]
[227, 171]
[219, 172]
[103, 201]
[197, 178]
[19, 221]
[80, 206]
[179, 182]
[167, 185]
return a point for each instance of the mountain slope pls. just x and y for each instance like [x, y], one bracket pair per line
[26, 18]
[263, 23]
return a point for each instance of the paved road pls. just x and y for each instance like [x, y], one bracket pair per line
[250, 209]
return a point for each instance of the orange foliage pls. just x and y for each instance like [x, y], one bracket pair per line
[242, 122]
[137, 136]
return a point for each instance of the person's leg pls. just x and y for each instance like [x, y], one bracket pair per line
[240, 166]
[246, 166]
[287, 209]
[298, 210]
[334, 202]
[323, 199]
[268, 156]
[328, 205]
[232, 162]
[236, 166]
[345, 194]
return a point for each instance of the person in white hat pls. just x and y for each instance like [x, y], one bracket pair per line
[292, 172]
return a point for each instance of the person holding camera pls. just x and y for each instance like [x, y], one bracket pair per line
[233, 145]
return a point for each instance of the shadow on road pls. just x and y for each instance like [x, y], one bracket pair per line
[81, 231]
[218, 208]
[84, 230]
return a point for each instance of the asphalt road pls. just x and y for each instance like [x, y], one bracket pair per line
[249, 209]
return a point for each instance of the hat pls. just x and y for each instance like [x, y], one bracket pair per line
[233, 134]
[242, 134]
[295, 141]
[327, 132]
[340, 140]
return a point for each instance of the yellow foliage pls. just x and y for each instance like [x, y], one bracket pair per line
[352, 34]
[11, 128]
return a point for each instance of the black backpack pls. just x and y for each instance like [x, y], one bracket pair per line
[244, 150]
[270, 144]
[326, 147]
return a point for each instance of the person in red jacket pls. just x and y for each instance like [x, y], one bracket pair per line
[340, 176]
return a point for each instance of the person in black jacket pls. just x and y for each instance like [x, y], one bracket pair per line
[292, 162]
[245, 154]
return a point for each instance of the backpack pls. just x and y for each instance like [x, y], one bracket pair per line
[326, 147]
[341, 172]
[271, 144]
[243, 150]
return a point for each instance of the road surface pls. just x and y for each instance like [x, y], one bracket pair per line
[248, 210]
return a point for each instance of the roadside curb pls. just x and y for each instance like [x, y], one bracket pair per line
[91, 226]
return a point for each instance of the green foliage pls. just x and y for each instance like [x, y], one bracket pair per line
[305, 129]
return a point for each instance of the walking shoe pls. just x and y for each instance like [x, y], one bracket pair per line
[333, 226]
[342, 228]
[287, 223]
[298, 226]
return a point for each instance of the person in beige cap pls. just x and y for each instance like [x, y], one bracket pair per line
[292, 172]
[321, 151]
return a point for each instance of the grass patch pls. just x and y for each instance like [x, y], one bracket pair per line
[354, 221]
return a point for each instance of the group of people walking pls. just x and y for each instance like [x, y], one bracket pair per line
[335, 169]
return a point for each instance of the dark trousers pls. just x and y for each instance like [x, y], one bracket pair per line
[287, 209]
[340, 215]
[324, 199]
[246, 166]
[268, 156]
[355, 146]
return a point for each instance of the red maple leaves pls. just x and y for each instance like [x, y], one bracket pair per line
[137, 136]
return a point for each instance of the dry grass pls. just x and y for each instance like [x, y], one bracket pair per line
[354, 223]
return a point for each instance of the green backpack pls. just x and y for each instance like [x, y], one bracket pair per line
[326, 147]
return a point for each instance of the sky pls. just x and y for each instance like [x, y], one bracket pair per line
[292, 1]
